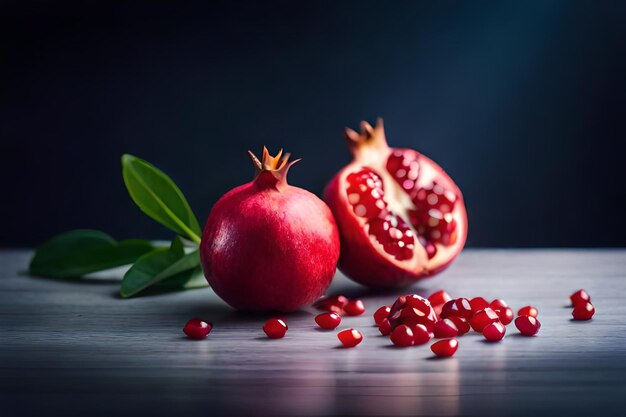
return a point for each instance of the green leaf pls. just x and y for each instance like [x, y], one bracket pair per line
[157, 196]
[191, 278]
[168, 266]
[79, 252]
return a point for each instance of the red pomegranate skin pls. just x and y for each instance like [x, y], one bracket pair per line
[269, 246]
[359, 260]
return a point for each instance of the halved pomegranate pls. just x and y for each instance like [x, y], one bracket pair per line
[400, 216]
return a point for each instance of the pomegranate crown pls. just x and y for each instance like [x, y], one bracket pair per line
[271, 171]
[369, 143]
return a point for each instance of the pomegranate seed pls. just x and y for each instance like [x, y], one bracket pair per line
[421, 335]
[445, 328]
[461, 324]
[460, 307]
[328, 321]
[384, 327]
[527, 325]
[197, 329]
[478, 303]
[333, 304]
[397, 305]
[528, 311]
[350, 337]
[402, 336]
[583, 311]
[448, 309]
[354, 308]
[439, 298]
[381, 313]
[506, 315]
[483, 318]
[445, 348]
[275, 328]
[494, 332]
[579, 296]
[498, 304]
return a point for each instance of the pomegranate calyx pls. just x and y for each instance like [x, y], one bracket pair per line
[369, 145]
[271, 171]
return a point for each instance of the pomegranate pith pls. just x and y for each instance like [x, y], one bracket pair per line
[268, 245]
[400, 216]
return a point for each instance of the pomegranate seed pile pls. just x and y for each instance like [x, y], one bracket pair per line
[413, 320]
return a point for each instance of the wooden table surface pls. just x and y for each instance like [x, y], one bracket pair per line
[75, 348]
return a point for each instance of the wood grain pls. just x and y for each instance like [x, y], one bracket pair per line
[75, 348]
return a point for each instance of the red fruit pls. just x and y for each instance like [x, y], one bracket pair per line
[350, 337]
[445, 348]
[483, 318]
[494, 332]
[506, 315]
[528, 311]
[275, 328]
[478, 303]
[384, 327]
[583, 311]
[527, 325]
[579, 296]
[328, 321]
[439, 298]
[197, 329]
[268, 245]
[445, 328]
[354, 308]
[460, 307]
[421, 335]
[461, 324]
[402, 336]
[400, 216]
[333, 304]
[381, 313]
[498, 304]
[411, 310]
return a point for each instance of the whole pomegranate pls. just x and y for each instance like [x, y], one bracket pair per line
[400, 216]
[268, 245]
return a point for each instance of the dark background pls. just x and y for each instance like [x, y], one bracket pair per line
[523, 103]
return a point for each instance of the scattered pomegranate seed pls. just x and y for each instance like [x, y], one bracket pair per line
[439, 298]
[402, 336]
[527, 325]
[384, 327]
[460, 307]
[461, 324]
[354, 308]
[350, 337]
[275, 328]
[381, 313]
[494, 332]
[478, 303]
[332, 304]
[445, 328]
[498, 304]
[583, 311]
[579, 296]
[506, 315]
[528, 311]
[445, 348]
[328, 321]
[197, 329]
[421, 335]
[483, 318]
